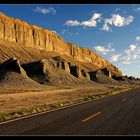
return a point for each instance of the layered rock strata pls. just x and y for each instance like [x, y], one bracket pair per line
[16, 30]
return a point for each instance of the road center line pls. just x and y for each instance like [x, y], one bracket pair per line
[92, 116]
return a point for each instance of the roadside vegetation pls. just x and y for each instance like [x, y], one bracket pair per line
[44, 108]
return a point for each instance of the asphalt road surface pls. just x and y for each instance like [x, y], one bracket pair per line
[114, 115]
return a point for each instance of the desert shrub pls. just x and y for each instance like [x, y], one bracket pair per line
[12, 113]
[86, 99]
[54, 106]
[33, 111]
[61, 104]
[16, 115]
[44, 109]
[38, 109]
[115, 92]
[7, 117]
[1, 117]
[92, 97]
[25, 113]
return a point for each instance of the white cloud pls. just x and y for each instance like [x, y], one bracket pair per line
[77, 33]
[132, 47]
[117, 9]
[120, 21]
[115, 57]
[106, 27]
[126, 62]
[89, 23]
[128, 20]
[64, 31]
[131, 54]
[45, 10]
[128, 56]
[72, 23]
[96, 16]
[138, 38]
[104, 50]
[92, 22]
[116, 20]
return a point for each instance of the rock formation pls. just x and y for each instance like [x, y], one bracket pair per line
[13, 76]
[102, 76]
[11, 65]
[15, 30]
[46, 71]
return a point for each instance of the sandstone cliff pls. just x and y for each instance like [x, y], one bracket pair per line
[15, 30]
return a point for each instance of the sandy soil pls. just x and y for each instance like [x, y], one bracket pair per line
[14, 102]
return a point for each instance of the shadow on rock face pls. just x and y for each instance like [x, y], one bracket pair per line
[35, 70]
[11, 73]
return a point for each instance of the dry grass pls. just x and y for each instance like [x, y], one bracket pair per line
[17, 105]
[16, 101]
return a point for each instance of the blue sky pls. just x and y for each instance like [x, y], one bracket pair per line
[113, 31]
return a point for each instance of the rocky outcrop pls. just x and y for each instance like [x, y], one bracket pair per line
[102, 76]
[35, 70]
[13, 75]
[15, 30]
[62, 64]
[46, 72]
[107, 72]
[70, 68]
[119, 78]
[11, 65]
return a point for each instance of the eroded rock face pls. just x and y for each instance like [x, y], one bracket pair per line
[107, 72]
[15, 30]
[101, 76]
[12, 65]
[61, 63]
[14, 78]
[46, 72]
[92, 75]
[119, 78]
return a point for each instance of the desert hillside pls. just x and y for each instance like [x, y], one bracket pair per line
[32, 36]
[44, 59]
[39, 69]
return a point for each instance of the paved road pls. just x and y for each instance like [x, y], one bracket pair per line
[115, 115]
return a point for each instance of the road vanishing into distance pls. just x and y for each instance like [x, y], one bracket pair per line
[114, 115]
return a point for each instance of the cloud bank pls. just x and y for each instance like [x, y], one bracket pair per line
[115, 20]
[104, 50]
[92, 22]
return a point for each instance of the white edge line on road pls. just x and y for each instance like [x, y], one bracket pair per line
[24, 117]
